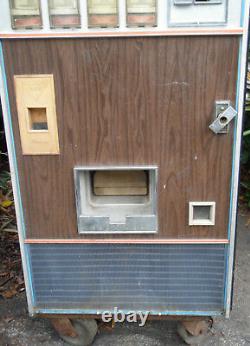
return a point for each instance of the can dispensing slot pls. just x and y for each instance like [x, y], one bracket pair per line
[116, 200]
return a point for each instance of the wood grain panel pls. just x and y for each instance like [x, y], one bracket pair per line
[130, 101]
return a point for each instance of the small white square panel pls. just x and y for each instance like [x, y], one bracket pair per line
[202, 213]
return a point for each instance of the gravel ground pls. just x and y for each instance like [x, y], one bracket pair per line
[16, 328]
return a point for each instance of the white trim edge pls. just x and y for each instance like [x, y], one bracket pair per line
[14, 179]
[237, 149]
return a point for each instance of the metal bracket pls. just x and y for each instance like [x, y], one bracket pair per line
[224, 113]
[183, 2]
[196, 2]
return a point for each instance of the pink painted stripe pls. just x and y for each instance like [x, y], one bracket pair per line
[169, 32]
[126, 241]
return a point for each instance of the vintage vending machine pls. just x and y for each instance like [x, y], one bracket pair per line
[123, 121]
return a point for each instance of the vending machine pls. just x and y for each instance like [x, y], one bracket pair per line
[123, 121]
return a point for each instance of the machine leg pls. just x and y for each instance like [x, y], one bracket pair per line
[78, 332]
[194, 331]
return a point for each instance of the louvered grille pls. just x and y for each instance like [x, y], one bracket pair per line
[131, 277]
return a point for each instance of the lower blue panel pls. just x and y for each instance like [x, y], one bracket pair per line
[156, 278]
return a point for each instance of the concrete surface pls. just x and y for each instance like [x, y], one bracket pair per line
[17, 329]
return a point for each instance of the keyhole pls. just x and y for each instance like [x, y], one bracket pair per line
[223, 120]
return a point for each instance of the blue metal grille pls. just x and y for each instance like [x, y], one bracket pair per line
[131, 277]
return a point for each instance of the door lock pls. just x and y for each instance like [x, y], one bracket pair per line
[224, 113]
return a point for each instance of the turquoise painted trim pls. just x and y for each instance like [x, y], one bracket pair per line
[29, 266]
[233, 165]
[226, 276]
[155, 313]
[242, 15]
[234, 149]
[18, 198]
[12, 138]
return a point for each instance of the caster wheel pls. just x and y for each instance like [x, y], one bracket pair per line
[196, 336]
[85, 332]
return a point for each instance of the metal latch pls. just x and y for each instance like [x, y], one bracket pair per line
[224, 113]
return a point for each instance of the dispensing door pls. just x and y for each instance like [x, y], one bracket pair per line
[160, 106]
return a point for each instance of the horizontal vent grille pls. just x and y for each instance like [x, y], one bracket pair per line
[131, 277]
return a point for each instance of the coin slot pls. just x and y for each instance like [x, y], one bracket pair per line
[38, 119]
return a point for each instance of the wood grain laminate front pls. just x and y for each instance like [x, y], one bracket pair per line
[130, 101]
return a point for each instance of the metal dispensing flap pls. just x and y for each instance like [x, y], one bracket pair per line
[120, 183]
